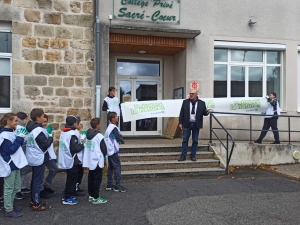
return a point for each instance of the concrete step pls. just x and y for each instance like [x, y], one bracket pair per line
[158, 148]
[176, 172]
[170, 164]
[160, 156]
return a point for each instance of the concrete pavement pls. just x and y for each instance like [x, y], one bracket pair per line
[247, 196]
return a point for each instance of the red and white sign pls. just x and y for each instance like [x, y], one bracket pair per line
[194, 85]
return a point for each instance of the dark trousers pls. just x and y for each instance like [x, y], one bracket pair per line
[269, 122]
[94, 182]
[36, 182]
[1, 186]
[114, 168]
[186, 136]
[72, 178]
[80, 175]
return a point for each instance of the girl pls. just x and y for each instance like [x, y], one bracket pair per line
[12, 158]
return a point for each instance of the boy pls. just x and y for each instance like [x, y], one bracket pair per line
[70, 158]
[112, 140]
[94, 153]
[52, 167]
[111, 102]
[39, 147]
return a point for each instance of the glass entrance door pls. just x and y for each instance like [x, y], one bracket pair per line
[139, 89]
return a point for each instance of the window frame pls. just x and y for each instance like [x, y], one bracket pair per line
[247, 65]
[7, 56]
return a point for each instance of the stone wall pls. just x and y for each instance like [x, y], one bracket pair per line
[53, 58]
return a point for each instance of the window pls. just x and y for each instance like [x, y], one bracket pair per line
[128, 67]
[5, 68]
[246, 72]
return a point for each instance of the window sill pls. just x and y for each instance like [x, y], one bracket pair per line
[5, 110]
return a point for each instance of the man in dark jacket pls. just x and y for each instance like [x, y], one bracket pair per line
[191, 120]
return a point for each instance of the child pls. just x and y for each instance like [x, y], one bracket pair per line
[52, 168]
[11, 160]
[93, 158]
[39, 149]
[22, 121]
[79, 191]
[111, 102]
[70, 158]
[112, 140]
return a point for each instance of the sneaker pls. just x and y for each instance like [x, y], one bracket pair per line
[17, 208]
[13, 214]
[109, 187]
[44, 194]
[257, 141]
[41, 203]
[79, 193]
[90, 198]
[25, 191]
[73, 197]
[39, 207]
[70, 201]
[19, 196]
[99, 200]
[48, 190]
[119, 188]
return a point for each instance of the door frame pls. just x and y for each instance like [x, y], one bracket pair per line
[133, 79]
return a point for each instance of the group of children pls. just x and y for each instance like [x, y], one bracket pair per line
[27, 146]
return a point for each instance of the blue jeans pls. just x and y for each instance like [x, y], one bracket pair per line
[36, 183]
[186, 136]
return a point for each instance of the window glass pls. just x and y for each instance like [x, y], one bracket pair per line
[273, 57]
[220, 55]
[273, 80]
[138, 68]
[220, 81]
[4, 92]
[4, 67]
[237, 81]
[255, 81]
[5, 42]
[246, 56]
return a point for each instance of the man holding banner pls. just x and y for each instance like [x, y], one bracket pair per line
[191, 120]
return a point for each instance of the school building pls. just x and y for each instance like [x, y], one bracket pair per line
[63, 55]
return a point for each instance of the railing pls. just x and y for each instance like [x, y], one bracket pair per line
[228, 154]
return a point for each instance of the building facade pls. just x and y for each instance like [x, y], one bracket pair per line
[148, 50]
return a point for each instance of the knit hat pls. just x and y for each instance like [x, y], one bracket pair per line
[70, 120]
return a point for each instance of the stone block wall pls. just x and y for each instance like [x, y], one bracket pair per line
[53, 58]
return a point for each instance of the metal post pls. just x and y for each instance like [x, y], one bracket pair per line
[289, 124]
[227, 163]
[210, 124]
[250, 129]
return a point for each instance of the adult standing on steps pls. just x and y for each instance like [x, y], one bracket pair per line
[191, 120]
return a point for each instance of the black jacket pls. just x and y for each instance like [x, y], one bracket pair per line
[42, 141]
[90, 134]
[184, 117]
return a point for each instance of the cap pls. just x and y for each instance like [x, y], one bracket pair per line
[70, 120]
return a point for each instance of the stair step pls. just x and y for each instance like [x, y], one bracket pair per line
[160, 156]
[158, 148]
[170, 164]
[174, 171]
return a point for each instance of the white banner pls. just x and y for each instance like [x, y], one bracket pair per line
[171, 108]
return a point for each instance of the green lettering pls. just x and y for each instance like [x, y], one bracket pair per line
[122, 10]
[123, 2]
[155, 15]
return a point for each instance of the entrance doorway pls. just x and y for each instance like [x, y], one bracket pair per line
[139, 80]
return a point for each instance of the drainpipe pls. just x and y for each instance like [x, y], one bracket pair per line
[98, 86]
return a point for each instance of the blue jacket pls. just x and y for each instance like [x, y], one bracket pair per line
[7, 148]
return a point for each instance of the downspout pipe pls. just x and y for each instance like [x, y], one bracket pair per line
[98, 84]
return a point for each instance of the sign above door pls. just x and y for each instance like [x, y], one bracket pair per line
[155, 11]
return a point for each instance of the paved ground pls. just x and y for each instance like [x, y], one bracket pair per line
[247, 196]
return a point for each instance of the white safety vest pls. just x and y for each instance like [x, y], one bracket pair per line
[92, 153]
[18, 157]
[35, 155]
[65, 158]
[113, 104]
[270, 111]
[111, 143]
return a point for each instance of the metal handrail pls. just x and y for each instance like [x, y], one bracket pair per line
[228, 155]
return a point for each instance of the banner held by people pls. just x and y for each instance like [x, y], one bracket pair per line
[171, 108]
